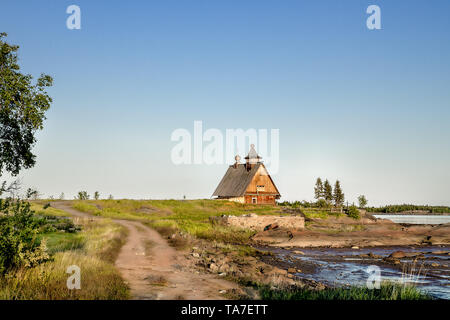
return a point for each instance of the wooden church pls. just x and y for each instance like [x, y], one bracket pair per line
[248, 183]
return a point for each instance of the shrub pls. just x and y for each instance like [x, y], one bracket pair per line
[353, 212]
[322, 203]
[82, 195]
[19, 244]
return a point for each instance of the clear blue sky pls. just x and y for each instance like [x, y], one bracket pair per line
[370, 108]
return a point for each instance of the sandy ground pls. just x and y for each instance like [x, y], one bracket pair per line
[154, 270]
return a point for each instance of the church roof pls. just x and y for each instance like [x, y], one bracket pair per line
[235, 181]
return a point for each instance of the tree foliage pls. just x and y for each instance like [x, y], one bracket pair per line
[19, 244]
[318, 189]
[362, 201]
[338, 194]
[327, 191]
[82, 195]
[22, 110]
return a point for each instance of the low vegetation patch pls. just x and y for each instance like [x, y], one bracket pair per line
[93, 247]
[387, 291]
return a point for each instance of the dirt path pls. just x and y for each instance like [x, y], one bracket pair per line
[155, 270]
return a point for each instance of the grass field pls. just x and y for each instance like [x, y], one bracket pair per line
[94, 250]
[173, 215]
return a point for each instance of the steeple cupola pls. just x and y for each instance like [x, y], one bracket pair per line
[252, 157]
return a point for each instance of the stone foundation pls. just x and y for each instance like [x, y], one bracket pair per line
[258, 223]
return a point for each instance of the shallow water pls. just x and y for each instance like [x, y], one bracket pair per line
[343, 267]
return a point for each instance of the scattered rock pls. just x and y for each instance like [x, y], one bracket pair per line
[298, 252]
[223, 274]
[299, 271]
[290, 276]
[213, 267]
[397, 255]
[355, 247]
[439, 252]
[292, 270]
[271, 226]
[195, 255]
[374, 256]
[224, 268]
[434, 264]
[222, 291]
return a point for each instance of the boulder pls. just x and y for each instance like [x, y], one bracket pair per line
[397, 255]
[224, 268]
[439, 252]
[374, 256]
[213, 267]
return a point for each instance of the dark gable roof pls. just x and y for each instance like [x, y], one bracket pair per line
[235, 181]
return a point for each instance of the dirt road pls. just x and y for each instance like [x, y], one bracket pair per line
[156, 271]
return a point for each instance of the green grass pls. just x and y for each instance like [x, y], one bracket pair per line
[174, 215]
[38, 207]
[387, 291]
[321, 214]
[94, 250]
[60, 242]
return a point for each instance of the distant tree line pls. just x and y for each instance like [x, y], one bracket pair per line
[83, 195]
[328, 197]
[409, 207]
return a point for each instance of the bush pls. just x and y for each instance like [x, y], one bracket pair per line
[322, 203]
[48, 224]
[353, 212]
[82, 195]
[19, 243]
